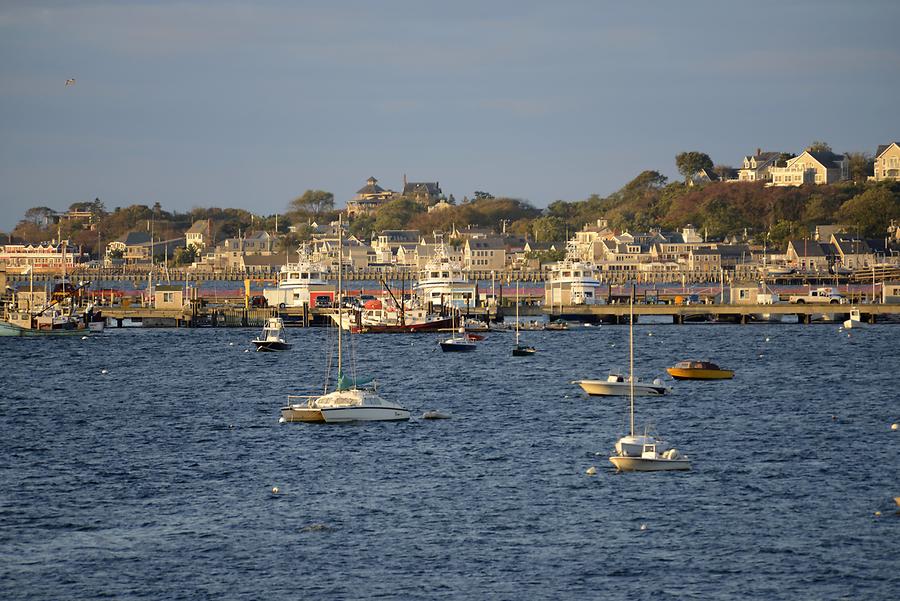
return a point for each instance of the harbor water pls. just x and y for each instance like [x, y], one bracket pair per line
[141, 464]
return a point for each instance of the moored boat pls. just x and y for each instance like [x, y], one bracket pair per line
[272, 338]
[699, 370]
[619, 385]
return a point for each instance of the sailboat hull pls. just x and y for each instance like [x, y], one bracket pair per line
[641, 464]
[334, 415]
[301, 413]
[605, 388]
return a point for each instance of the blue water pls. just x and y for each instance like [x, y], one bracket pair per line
[154, 480]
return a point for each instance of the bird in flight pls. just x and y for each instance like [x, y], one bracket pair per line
[70, 82]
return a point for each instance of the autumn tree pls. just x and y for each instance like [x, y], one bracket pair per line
[862, 165]
[818, 146]
[548, 229]
[689, 163]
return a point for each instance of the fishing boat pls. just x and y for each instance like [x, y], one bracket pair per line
[520, 350]
[272, 338]
[351, 400]
[23, 316]
[854, 320]
[699, 370]
[655, 455]
[442, 282]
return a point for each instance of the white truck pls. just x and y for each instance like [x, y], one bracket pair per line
[819, 296]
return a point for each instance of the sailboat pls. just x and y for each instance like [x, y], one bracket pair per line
[459, 341]
[351, 400]
[644, 452]
[520, 350]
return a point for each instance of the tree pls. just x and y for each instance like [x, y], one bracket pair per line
[396, 214]
[40, 216]
[862, 165]
[785, 230]
[548, 229]
[818, 146]
[689, 163]
[872, 211]
[185, 256]
[315, 202]
[479, 195]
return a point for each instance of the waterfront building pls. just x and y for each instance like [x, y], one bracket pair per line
[807, 255]
[44, 256]
[484, 254]
[426, 193]
[887, 163]
[168, 297]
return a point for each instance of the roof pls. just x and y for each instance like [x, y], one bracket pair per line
[827, 159]
[489, 243]
[139, 238]
[807, 248]
[400, 235]
[272, 260]
[198, 227]
[883, 147]
[166, 288]
[429, 188]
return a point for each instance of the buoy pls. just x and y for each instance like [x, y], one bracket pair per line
[643, 526]
[84, 337]
[834, 418]
[767, 338]
[897, 501]
[246, 350]
[103, 371]
[591, 471]
[435, 414]
[649, 333]
[281, 420]
[230, 344]
[760, 355]
[877, 514]
[895, 426]
[274, 490]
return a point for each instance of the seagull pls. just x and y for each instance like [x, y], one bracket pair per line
[70, 82]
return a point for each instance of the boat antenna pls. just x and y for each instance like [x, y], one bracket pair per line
[631, 356]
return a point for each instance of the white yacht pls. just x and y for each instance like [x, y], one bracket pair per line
[854, 320]
[442, 282]
[272, 338]
[572, 281]
[298, 281]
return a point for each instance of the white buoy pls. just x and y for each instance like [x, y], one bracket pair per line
[643, 526]
[246, 350]
[230, 344]
[591, 471]
[280, 420]
[877, 514]
[274, 490]
[84, 337]
[895, 427]
[767, 338]
[760, 355]
[103, 371]
[649, 333]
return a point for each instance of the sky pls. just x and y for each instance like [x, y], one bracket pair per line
[214, 103]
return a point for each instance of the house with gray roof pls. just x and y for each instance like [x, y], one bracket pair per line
[811, 167]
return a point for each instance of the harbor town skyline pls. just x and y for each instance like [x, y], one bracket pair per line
[199, 104]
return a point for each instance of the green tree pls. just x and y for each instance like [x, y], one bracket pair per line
[548, 229]
[862, 165]
[39, 215]
[314, 202]
[785, 230]
[396, 214]
[689, 163]
[872, 211]
[818, 146]
[184, 256]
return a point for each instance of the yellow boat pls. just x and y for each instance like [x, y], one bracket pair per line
[699, 370]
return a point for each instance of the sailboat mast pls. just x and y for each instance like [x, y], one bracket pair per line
[339, 290]
[517, 312]
[631, 357]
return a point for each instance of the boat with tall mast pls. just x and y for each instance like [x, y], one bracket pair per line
[351, 400]
[520, 350]
[643, 452]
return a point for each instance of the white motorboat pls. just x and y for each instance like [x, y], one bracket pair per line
[855, 320]
[655, 455]
[619, 385]
[443, 282]
[572, 281]
[299, 282]
[652, 459]
[349, 401]
[272, 338]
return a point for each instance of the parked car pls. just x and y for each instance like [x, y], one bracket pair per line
[258, 302]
